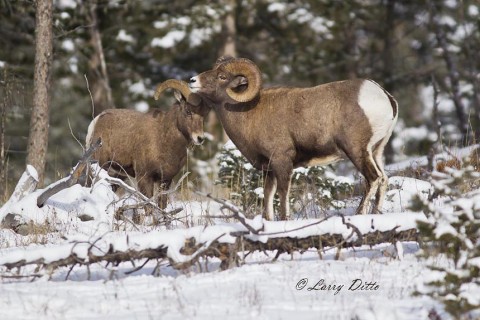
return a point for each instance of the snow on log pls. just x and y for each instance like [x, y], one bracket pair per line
[26, 185]
[183, 247]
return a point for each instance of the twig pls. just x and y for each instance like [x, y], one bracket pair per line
[296, 229]
[91, 97]
[69, 271]
[135, 192]
[177, 185]
[354, 228]
[73, 135]
[237, 213]
[138, 268]
[219, 217]
[33, 275]
[195, 256]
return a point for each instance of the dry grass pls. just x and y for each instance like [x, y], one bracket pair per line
[473, 160]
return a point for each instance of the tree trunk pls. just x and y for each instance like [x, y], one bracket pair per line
[388, 63]
[99, 82]
[470, 72]
[229, 48]
[3, 114]
[452, 73]
[39, 121]
[454, 85]
[229, 31]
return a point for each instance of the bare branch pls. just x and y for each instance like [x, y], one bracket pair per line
[237, 213]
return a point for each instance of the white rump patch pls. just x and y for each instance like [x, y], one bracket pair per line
[91, 128]
[378, 109]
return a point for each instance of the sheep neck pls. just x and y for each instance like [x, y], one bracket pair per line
[236, 121]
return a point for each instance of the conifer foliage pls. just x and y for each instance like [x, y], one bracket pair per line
[453, 230]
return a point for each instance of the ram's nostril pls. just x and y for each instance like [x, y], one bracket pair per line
[200, 140]
[193, 80]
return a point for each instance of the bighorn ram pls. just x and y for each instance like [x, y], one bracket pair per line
[278, 129]
[151, 147]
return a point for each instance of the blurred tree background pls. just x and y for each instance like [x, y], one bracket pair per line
[113, 53]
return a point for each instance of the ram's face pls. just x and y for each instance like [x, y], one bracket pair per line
[213, 83]
[230, 80]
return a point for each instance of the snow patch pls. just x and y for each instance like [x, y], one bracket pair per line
[66, 4]
[403, 191]
[124, 37]
[276, 7]
[142, 106]
[68, 45]
[169, 40]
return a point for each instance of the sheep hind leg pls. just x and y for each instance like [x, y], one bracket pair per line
[382, 188]
[371, 189]
[364, 162]
[373, 176]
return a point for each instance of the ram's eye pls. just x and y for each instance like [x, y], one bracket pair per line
[222, 77]
[188, 112]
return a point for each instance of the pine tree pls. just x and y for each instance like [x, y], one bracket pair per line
[453, 229]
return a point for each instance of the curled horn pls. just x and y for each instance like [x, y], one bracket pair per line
[173, 84]
[249, 70]
[222, 60]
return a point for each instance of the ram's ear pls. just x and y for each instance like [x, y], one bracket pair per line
[180, 98]
[194, 99]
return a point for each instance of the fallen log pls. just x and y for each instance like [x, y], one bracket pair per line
[228, 242]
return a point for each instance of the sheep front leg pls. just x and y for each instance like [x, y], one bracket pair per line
[269, 194]
[160, 195]
[145, 185]
[282, 169]
[283, 187]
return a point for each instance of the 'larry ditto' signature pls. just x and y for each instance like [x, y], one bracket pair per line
[321, 285]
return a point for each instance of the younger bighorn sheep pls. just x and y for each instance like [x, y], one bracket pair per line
[151, 147]
[279, 129]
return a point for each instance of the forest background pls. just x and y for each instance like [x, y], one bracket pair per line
[113, 54]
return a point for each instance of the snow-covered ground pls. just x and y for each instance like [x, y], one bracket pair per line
[363, 283]
[258, 290]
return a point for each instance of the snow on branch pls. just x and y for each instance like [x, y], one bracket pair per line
[78, 171]
[183, 247]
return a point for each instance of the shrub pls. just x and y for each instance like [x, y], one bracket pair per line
[313, 189]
